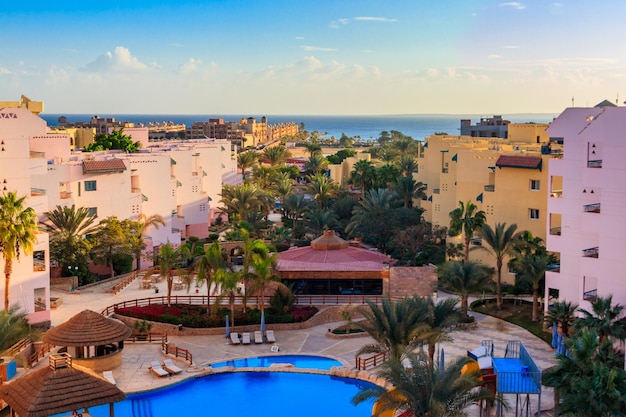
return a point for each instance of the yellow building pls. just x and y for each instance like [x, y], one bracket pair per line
[34, 107]
[506, 178]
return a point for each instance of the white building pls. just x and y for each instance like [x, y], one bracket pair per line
[586, 207]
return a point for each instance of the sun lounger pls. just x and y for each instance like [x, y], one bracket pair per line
[245, 338]
[269, 335]
[170, 367]
[108, 375]
[157, 369]
[234, 338]
[258, 337]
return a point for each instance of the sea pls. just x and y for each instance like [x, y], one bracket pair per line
[367, 128]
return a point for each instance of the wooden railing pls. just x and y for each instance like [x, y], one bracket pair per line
[170, 349]
[148, 338]
[40, 350]
[125, 282]
[17, 347]
[370, 361]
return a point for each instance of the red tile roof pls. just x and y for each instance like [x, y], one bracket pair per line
[347, 259]
[518, 161]
[109, 165]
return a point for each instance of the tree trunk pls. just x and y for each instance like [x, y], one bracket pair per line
[467, 243]
[8, 266]
[499, 285]
[464, 305]
[535, 303]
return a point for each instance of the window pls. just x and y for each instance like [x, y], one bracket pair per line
[90, 186]
[93, 211]
[39, 260]
[534, 185]
[40, 299]
[533, 214]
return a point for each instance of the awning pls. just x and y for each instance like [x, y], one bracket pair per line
[518, 161]
[106, 166]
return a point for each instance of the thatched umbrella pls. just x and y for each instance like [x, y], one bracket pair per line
[58, 388]
[88, 328]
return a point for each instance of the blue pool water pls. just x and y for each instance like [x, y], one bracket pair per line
[298, 361]
[258, 394]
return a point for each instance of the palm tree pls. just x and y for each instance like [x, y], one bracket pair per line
[318, 220]
[262, 275]
[295, 207]
[394, 326]
[240, 200]
[228, 282]
[425, 390]
[284, 187]
[170, 259]
[18, 228]
[363, 175]
[499, 242]
[264, 177]
[246, 160]
[386, 175]
[531, 268]
[146, 222]
[322, 188]
[13, 327]
[466, 219]
[465, 279]
[605, 319]
[212, 259]
[276, 155]
[250, 248]
[316, 164]
[562, 315]
[408, 189]
[312, 148]
[408, 166]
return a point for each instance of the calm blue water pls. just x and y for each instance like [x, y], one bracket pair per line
[299, 361]
[367, 127]
[258, 394]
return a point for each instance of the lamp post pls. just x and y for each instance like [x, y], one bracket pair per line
[386, 266]
[73, 270]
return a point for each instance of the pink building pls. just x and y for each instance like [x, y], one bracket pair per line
[586, 224]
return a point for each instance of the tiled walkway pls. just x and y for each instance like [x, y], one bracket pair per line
[134, 374]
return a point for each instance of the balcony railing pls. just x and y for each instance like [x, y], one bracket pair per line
[592, 208]
[591, 252]
[444, 170]
[556, 193]
[37, 191]
[490, 188]
[597, 163]
[591, 295]
[34, 154]
[65, 195]
[435, 190]
[555, 231]
[553, 268]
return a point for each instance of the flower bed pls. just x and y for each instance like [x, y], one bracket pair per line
[194, 316]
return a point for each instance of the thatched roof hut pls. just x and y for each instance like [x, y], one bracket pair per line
[87, 328]
[58, 388]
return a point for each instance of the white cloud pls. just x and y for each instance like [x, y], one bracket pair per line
[374, 19]
[4, 71]
[190, 66]
[309, 63]
[510, 47]
[494, 56]
[514, 4]
[120, 60]
[336, 24]
[310, 48]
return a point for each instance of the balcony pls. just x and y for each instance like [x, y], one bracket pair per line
[597, 163]
[444, 170]
[435, 190]
[37, 192]
[591, 252]
[556, 231]
[591, 295]
[556, 193]
[34, 154]
[592, 208]
[65, 195]
[135, 190]
[490, 188]
[554, 268]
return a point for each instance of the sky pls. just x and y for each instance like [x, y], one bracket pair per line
[312, 57]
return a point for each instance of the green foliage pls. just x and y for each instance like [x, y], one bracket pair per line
[115, 140]
[122, 263]
[13, 327]
[338, 158]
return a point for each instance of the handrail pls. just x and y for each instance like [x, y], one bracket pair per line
[170, 349]
[149, 337]
[124, 283]
[374, 361]
[39, 352]
[17, 347]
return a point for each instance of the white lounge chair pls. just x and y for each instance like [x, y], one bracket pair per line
[108, 375]
[170, 367]
[245, 338]
[269, 335]
[234, 338]
[258, 337]
[157, 369]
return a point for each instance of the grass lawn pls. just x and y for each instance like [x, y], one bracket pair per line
[517, 313]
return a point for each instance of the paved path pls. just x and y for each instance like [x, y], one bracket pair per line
[134, 374]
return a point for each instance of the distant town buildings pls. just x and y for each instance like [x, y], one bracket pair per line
[487, 127]
[243, 133]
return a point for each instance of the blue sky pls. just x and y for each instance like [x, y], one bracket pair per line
[313, 57]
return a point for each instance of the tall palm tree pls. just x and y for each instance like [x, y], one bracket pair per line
[466, 219]
[145, 223]
[363, 175]
[170, 259]
[213, 259]
[247, 160]
[264, 177]
[605, 318]
[562, 315]
[408, 166]
[18, 228]
[322, 188]
[276, 155]
[262, 275]
[408, 190]
[251, 249]
[318, 220]
[394, 326]
[240, 201]
[284, 187]
[313, 148]
[228, 283]
[425, 390]
[295, 207]
[316, 164]
[531, 268]
[386, 175]
[465, 279]
[499, 242]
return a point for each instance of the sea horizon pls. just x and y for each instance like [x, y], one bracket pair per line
[367, 127]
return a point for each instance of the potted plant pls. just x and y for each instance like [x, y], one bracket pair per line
[142, 328]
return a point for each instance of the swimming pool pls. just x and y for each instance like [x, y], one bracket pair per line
[298, 361]
[260, 394]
